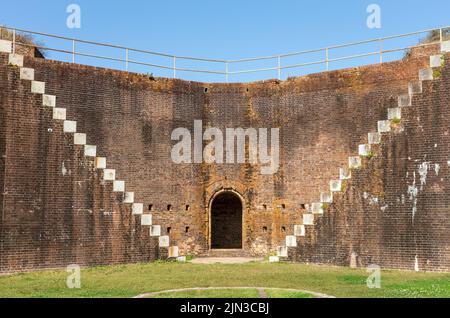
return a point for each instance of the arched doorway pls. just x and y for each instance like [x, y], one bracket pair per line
[226, 221]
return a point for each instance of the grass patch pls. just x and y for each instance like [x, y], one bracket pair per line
[135, 279]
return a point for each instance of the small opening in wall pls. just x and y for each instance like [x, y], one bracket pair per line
[206, 89]
[186, 229]
[169, 229]
[283, 206]
[188, 207]
[265, 206]
[169, 207]
[283, 229]
[150, 207]
[264, 228]
[303, 206]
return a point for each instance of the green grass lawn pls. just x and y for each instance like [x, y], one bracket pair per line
[132, 280]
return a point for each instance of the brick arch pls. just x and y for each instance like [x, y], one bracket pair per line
[234, 213]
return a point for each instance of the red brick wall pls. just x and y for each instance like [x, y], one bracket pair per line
[52, 220]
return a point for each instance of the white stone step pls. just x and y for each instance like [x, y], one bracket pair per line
[90, 150]
[109, 175]
[137, 208]
[48, 100]
[155, 230]
[308, 219]
[27, 74]
[37, 87]
[384, 126]
[164, 241]
[437, 60]
[394, 113]
[59, 113]
[404, 100]
[146, 219]
[118, 186]
[354, 162]
[326, 197]
[16, 60]
[100, 163]
[129, 197]
[299, 230]
[79, 139]
[336, 185]
[415, 87]
[291, 241]
[374, 138]
[5, 46]
[317, 208]
[426, 74]
[181, 259]
[282, 251]
[274, 259]
[70, 126]
[173, 252]
[445, 46]
[364, 150]
[345, 173]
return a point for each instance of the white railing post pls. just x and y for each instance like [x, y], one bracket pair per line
[174, 67]
[226, 72]
[381, 51]
[14, 42]
[279, 67]
[440, 36]
[126, 59]
[327, 59]
[73, 51]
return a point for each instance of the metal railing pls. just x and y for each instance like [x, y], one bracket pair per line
[278, 67]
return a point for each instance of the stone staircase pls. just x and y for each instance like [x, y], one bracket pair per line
[90, 151]
[394, 115]
[225, 253]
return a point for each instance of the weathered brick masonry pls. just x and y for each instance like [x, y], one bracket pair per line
[56, 209]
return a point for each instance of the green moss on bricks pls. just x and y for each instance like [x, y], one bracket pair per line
[437, 73]
[325, 206]
[396, 121]
[371, 154]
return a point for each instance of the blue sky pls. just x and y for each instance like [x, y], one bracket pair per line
[227, 29]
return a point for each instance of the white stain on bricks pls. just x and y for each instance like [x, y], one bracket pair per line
[413, 191]
[371, 198]
[423, 172]
[63, 169]
[437, 168]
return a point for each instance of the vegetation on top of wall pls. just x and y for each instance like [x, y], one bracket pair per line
[21, 38]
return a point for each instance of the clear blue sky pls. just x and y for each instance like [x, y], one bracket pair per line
[226, 29]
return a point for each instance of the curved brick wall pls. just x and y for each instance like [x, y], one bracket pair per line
[322, 119]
